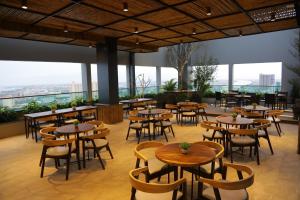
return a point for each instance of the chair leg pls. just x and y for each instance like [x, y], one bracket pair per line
[43, 165]
[139, 133]
[163, 130]
[109, 150]
[172, 131]
[231, 159]
[100, 159]
[68, 167]
[257, 153]
[83, 153]
[127, 133]
[269, 142]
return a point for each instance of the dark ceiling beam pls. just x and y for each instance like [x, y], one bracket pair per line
[19, 27]
[247, 14]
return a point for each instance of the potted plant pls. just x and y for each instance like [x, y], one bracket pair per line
[53, 107]
[184, 147]
[254, 105]
[76, 122]
[73, 105]
[234, 116]
[170, 85]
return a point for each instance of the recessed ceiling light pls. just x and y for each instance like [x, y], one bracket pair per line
[66, 29]
[24, 5]
[137, 41]
[194, 31]
[208, 11]
[240, 33]
[90, 45]
[273, 18]
[125, 7]
[136, 30]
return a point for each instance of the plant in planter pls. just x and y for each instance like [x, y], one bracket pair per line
[53, 107]
[76, 123]
[184, 147]
[254, 105]
[170, 85]
[234, 116]
[34, 106]
[204, 74]
[7, 115]
[73, 104]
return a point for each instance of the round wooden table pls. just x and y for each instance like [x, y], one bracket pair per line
[187, 103]
[153, 112]
[71, 129]
[257, 108]
[228, 120]
[198, 154]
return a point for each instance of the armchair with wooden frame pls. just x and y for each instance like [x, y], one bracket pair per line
[164, 122]
[262, 125]
[273, 115]
[138, 124]
[213, 132]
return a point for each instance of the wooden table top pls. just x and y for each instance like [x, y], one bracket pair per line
[189, 103]
[257, 108]
[131, 101]
[238, 121]
[155, 111]
[69, 129]
[198, 154]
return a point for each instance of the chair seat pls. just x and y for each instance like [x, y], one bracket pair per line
[46, 125]
[58, 151]
[276, 119]
[226, 194]
[138, 125]
[261, 133]
[70, 121]
[98, 143]
[159, 196]
[209, 134]
[189, 113]
[163, 123]
[242, 140]
[155, 165]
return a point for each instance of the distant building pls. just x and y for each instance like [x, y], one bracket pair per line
[76, 87]
[266, 79]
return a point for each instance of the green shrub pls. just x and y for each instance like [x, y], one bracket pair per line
[7, 115]
[169, 85]
[34, 106]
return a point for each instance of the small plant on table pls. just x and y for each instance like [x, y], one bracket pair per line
[184, 147]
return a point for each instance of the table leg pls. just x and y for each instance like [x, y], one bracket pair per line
[78, 151]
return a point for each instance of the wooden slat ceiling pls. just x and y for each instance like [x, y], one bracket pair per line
[147, 25]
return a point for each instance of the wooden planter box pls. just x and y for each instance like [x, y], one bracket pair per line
[9, 129]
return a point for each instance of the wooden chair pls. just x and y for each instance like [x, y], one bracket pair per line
[96, 142]
[99, 125]
[219, 98]
[244, 138]
[143, 190]
[70, 118]
[252, 115]
[88, 115]
[262, 125]
[151, 104]
[189, 111]
[230, 101]
[57, 149]
[139, 105]
[282, 100]
[138, 124]
[174, 109]
[145, 152]
[273, 115]
[164, 122]
[227, 189]
[44, 122]
[213, 132]
[201, 111]
[270, 100]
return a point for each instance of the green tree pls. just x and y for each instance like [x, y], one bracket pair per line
[170, 85]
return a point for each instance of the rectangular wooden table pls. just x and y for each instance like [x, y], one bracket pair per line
[30, 120]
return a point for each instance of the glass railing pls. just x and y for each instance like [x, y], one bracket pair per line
[257, 88]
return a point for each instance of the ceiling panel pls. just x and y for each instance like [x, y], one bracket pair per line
[20, 16]
[43, 6]
[172, 2]
[159, 43]
[279, 25]
[182, 40]
[253, 4]
[200, 8]
[108, 32]
[130, 25]
[12, 34]
[246, 30]
[162, 33]
[54, 22]
[189, 28]
[91, 15]
[210, 36]
[46, 38]
[82, 42]
[230, 21]
[136, 38]
[166, 17]
[134, 7]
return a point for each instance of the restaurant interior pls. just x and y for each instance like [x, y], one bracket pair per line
[177, 144]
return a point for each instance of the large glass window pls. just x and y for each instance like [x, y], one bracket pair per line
[168, 73]
[257, 77]
[149, 74]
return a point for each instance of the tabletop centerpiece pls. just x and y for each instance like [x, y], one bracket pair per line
[53, 107]
[184, 147]
[149, 108]
[254, 105]
[76, 123]
[234, 116]
[73, 105]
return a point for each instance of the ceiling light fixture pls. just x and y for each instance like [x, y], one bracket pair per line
[240, 33]
[90, 45]
[208, 11]
[136, 30]
[66, 29]
[194, 31]
[137, 41]
[125, 7]
[273, 18]
[24, 5]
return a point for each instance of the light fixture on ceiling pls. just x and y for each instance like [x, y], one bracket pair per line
[66, 29]
[273, 18]
[136, 30]
[90, 45]
[208, 11]
[24, 5]
[194, 31]
[137, 41]
[240, 33]
[125, 7]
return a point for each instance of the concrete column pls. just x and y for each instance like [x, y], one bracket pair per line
[130, 74]
[230, 77]
[87, 81]
[107, 70]
[158, 78]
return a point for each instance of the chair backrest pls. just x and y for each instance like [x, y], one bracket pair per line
[44, 132]
[262, 123]
[202, 105]
[187, 107]
[248, 132]
[91, 112]
[171, 106]
[136, 118]
[47, 118]
[270, 98]
[133, 113]
[70, 115]
[274, 113]
[54, 143]
[145, 145]
[218, 147]
[218, 95]
[251, 114]
[153, 187]
[166, 116]
[98, 135]
[96, 123]
[242, 183]
[211, 126]
[238, 109]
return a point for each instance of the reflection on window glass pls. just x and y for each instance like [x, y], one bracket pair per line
[122, 76]
[148, 72]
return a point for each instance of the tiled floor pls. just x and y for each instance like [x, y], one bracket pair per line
[278, 176]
